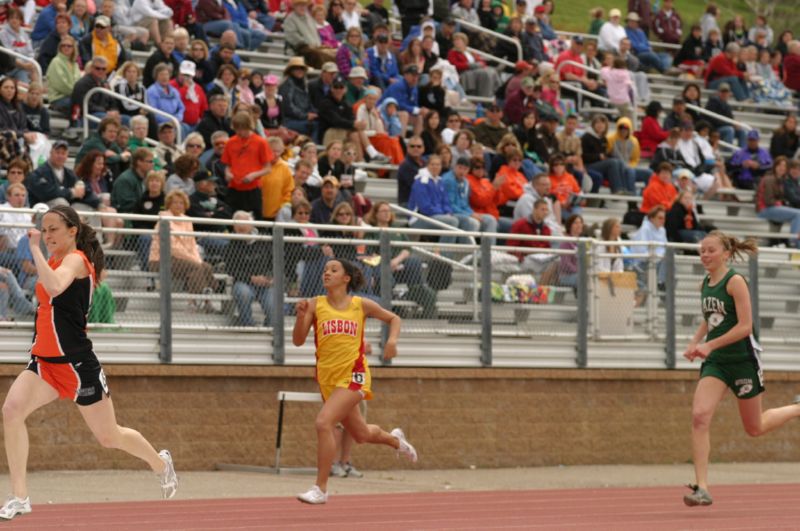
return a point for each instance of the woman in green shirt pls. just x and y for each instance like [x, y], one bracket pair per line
[724, 341]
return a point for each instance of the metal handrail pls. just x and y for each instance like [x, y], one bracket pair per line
[490, 57]
[25, 58]
[494, 34]
[654, 44]
[718, 117]
[108, 92]
[589, 94]
[475, 269]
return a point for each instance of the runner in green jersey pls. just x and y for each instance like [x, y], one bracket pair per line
[730, 355]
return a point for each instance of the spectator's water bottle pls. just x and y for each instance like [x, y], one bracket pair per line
[479, 111]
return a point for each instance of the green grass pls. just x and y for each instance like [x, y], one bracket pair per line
[573, 15]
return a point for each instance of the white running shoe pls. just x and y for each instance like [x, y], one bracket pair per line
[351, 471]
[169, 479]
[15, 506]
[338, 471]
[405, 447]
[314, 496]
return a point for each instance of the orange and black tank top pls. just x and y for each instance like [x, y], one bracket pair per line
[61, 321]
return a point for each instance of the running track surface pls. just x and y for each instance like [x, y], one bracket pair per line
[745, 507]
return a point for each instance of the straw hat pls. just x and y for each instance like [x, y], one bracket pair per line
[295, 62]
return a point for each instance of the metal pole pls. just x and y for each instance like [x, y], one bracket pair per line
[652, 290]
[753, 284]
[486, 301]
[165, 299]
[386, 283]
[669, 306]
[278, 289]
[582, 341]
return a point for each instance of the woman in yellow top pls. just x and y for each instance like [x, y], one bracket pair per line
[342, 371]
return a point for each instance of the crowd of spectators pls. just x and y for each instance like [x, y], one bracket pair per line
[227, 141]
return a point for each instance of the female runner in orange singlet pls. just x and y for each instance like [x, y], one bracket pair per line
[342, 371]
[63, 363]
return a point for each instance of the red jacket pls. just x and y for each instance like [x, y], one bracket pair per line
[650, 136]
[720, 66]
[209, 10]
[181, 9]
[657, 193]
[460, 61]
[526, 226]
[194, 111]
[791, 71]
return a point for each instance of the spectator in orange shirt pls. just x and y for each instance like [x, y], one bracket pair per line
[277, 185]
[483, 194]
[564, 186]
[509, 182]
[248, 158]
[660, 190]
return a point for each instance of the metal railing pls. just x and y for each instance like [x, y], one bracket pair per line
[718, 117]
[583, 307]
[481, 29]
[490, 57]
[653, 44]
[25, 58]
[120, 97]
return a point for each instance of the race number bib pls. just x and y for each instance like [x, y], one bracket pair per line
[359, 378]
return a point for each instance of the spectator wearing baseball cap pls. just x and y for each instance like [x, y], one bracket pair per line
[192, 95]
[492, 129]
[750, 163]
[718, 104]
[405, 92]
[101, 42]
[548, 33]
[383, 66]
[532, 41]
[611, 33]
[320, 87]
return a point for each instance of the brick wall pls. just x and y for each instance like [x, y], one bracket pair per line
[455, 417]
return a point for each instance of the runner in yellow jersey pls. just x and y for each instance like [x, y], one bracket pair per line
[342, 370]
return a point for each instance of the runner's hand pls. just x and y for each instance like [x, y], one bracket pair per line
[301, 308]
[34, 238]
[389, 350]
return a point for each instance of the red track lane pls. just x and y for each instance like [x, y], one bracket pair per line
[745, 507]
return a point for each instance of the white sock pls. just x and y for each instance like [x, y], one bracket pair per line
[372, 152]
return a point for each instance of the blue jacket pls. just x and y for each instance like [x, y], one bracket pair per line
[639, 42]
[391, 123]
[407, 97]
[428, 196]
[385, 69]
[169, 102]
[238, 13]
[45, 24]
[457, 194]
[548, 33]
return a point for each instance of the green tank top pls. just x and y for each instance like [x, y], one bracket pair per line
[719, 311]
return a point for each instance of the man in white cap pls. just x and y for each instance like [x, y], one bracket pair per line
[192, 95]
[300, 31]
[611, 32]
[641, 46]
[321, 87]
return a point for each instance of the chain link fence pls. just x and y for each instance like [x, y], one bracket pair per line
[187, 274]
